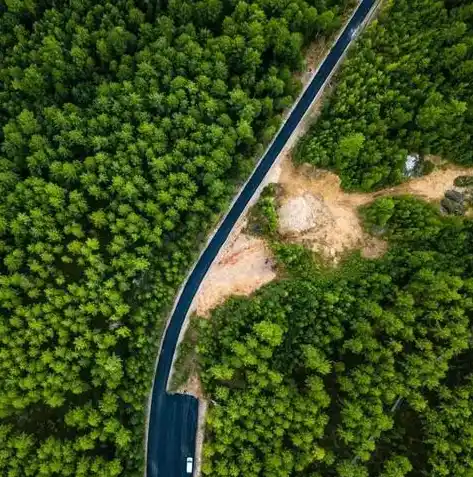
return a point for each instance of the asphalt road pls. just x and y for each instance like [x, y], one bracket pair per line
[173, 418]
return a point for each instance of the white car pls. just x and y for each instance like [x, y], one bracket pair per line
[353, 32]
[189, 465]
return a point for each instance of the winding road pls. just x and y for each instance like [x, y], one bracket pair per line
[172, 422]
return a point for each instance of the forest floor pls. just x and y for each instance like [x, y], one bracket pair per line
[314, 54]
[244, 266]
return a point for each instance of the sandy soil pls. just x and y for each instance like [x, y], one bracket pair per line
[193, 386]
[301, 213]
[199, 444]
[244, 266]
[317, 212]
[433, 186]
[335, 224]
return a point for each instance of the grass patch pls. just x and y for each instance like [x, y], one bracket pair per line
[186, 362]
[263, 216]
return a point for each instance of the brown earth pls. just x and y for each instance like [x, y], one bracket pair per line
[330, 223]
[244, 265]
[193, 386]
[315, 211]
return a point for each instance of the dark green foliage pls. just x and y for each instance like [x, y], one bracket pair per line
[450, 430]
[427, 167]
[353, 372]
[464, 181]
[123, 135]
[294, 259]
[407, 217]
[406, 87]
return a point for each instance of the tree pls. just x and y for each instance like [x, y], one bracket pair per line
[123, 136]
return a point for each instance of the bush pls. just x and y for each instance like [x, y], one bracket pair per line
[263, 217]
[427, 167]
[464, 181]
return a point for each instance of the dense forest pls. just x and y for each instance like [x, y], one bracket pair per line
[124, 130]
[407, 89]
[363, 370]
[360, 371]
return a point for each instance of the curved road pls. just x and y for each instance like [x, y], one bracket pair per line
[173, 418]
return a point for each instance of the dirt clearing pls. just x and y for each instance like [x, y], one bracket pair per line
[245, 265]
[315, 211]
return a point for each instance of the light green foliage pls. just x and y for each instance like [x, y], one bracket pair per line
[263, 217]
[450, 432]
[185, 363]
[295, 259]
[124, 128]
[397, 466]
[349, 146]
[406, 87]
[363, 370]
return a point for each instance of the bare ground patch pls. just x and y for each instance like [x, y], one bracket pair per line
[314, 54]
[193, 386]
[245, 265]
[433, 186]
[315, 210]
